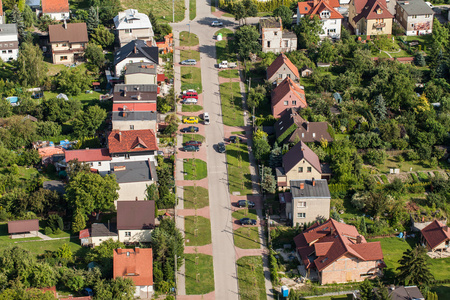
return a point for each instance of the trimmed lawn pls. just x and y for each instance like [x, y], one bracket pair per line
[54, 69]
[194, 165]
[225, 51]
[230, 73]
[195, 195]
[404, 166]
[192, 9]
[204, 284]
[231, 100]
[193, 137]
[251, 278]
[440, 267]
[191, 108]
[247, 238]
[225, 32]
[188, 39]
[239, 178]
[239, 132]
[239, 214]
[188, 54]
[191, 78]
[203, 226]
[161, 8]
[83, 97]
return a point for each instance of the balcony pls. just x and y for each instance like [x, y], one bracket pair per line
[379, 25]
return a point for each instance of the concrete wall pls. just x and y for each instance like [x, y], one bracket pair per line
[140, 78]
[271, 39]
[347, 269]
[138, 125]
[330, 25]
[441, 247]
[315, 208]
[136, 236]
[282, 73]
[294, 174]
[63, 58]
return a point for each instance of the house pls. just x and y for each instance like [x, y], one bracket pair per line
[134, 120]
[9, 42]
[68, 42]
[134, 52]
[97, 234]
[436, 237]
[98, 159]
[405, 293]
[57, 9]
[166, 46]
[140, 73]
[291, 128]
[334, 252]
[137, 265]
[132, 145]
[287, 95]
[415, 16]
[2, 21]
[132, 25]
[370, 17]
[50, 154]
[136, 93]
[306, 72]
[274, 38]
[23, 228]
[327, 12]
[135, 221]
[281, 68]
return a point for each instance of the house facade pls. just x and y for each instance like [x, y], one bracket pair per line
[135, 221]
[281, 68]
[97, 159]
[326, 10]
[136, 51]
[132, 25]
[416, 17]
[274, 38]
[9, 42]
[57, 9]
[370, 17]
[436, 237]
[287, 95]
[97, 234]
[140, 73]
[68, 42]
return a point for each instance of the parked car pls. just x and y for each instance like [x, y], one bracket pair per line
[233, 139]
[193, 143]
[216, 24]
[189, 91]
[247, 221]
[88, 292]
[206, 118]
[189, 129]
[221, 147]
[189, 101]
[244, 203]
[188, 62]
[190, 95]
[190, 120]
[225, 64]
[191, 148]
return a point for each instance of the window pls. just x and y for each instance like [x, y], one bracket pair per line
[294, 102]
[127, 156]
[331, 31]
[275, 33]
[3, 51]
[128, 30]
[286, 44]
[301, 215]
[280, 76]
[288, 75]
[62, 58]
[91, 164]
[127, 233]
[64, 45]
[303, 134]
[63, 15]
[413, 17]
[300, 169]
[427, 16]
[325, 14]
[314, 134]
[131, 127]
[379, 11]
[99, 163]
[268, 44]
[301, 204]
[286, 103]
[308, 169]
[10, 45]
[9, 51]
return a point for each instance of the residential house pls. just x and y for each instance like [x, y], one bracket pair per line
[68, 42]
[287, 95]
[281, 68]
[57, 9]
[166, 46]
[415, 16]
[306, 72]
[370, 17]
[50, 154]
[405, 293]
[436, 237]
[2, 21]
[135, 221]
[9, 42]
[134, 52]
[292, 128]
[140, 73]
[97, 234]
[274, 38]
[137, 265]
[23, 228]
[98, 159]
[327, 12]
[334, 252]
[132, 25]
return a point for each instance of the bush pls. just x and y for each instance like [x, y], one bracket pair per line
[422, 176]
[48, 231]
[55, 222]
[187, 76]
[375, 156]
[412, 155]
[416, 188]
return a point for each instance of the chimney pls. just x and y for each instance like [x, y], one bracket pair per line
[65, 24]
[313, 182]
[136, 198]
[124, 114]
[125, 92]
[135, 50]
[119, 250]
[120, 136]
[302, 185]
[307, 126]
[358, 239]
[136, 250]
[139, 96]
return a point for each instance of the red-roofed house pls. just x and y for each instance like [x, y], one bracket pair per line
[1, 13]
[334, 252]
[130, 143]
[436, 236]
[370, 17]
[326, 11]
[56, 9]
[281, 68]
[98, 159]
[287, 95]
[137, 265]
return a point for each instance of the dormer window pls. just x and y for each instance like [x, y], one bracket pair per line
[325, 14]
[379, 11]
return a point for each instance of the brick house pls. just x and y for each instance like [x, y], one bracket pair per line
[57, 9]
[281, 68]
[274, 38]
[287, 95]
[135, 221]
[334, 252]
[326, 10]
[415, 16]
[370, 17]
[68, 42]
[436, 237]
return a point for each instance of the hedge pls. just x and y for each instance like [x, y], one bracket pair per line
[286, 133]
[266, 6]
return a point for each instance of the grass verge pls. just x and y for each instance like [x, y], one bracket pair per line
[188, 39]
[194, 169]
[197, 233]
[191, 108]
[193, 137]
[231, 99]
[192, 9]
[195, 195]
[247, 238]
[199, 274]
[251, 278]
[189, 54]
[241, 213]
[239, 178]
[191, 78]
[230, 73]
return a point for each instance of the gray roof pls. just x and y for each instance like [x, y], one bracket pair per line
[289, 34]
[320, 190]
[140, 68]
[279, 171]
[8, 29]
[135, 171]
[145, 88]
[136, 48]
[134, 116]
[406, 293]
[299, 152]
[270, 23]
[415, 7]
[100, 229]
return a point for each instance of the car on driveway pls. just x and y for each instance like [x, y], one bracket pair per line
[190, 95]
[221, 147]
[188, 62]
[216, 24]
[188, 91]
[189, 129]
[193, 143]
[190, 148]
[189, 101]
[244, 203]
[190, 120]
[247, 221]
[233, 139]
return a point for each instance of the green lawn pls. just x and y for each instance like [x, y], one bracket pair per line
[188, 39]
[191, 78]
[192, 9]
[230, 73]
[197, 234]
[231, 99]
[54, 69]
[247, 238]
[443, 291]
[245, 213]
[440, 267]
[195, 196]
[83, 97]
[193, 137]
[404, 166]
[194, 169]
[225, 32]
[199, 274]
[188, 54]
[191, 108]
[224, 51]
[239, 177]
[251, 278]
[161, 8]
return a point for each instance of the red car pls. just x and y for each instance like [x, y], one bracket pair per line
[190, 95]
[193, 143]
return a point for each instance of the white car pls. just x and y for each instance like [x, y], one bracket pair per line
[216, 24]
[429, 4]
[189, 91]
[206, 118]
[190, 101]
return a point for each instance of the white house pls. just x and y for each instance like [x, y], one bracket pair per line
[415, 16]
[132, 25]
[98, 233]
[9, 42]
[135, 221]
[98, 159]
[57, 9]
[327, 12]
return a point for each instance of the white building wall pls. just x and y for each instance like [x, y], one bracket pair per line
[132, 190]
[119, 67]
[332, 25]
[5, 55]
[419, 19]
[143, 235]
[59, 16]
[138, 125]
[96, 241]
[134, 158]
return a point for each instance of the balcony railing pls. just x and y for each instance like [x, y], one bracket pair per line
[379, 25]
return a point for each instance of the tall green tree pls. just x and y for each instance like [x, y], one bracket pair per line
[87, 122]
[16, 18]
[31, 69]
[285, 14]
[246, 39]
[268, 181]
[256, 96]
[102, 36]
[366, 290]
[73, 81]
[414, 268]
[94, 55]
[92, 20]
[308, 31]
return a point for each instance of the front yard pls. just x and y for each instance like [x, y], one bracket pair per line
[188, 39]
[195, 196]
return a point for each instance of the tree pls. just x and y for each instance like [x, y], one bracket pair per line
[16, 18]
[276, 156]
[308, 31]
[261, 149]
[75, 166]
[151, 192]
[92, 20]
[285, 14]
[419, 60]
[119, 288]
[73, 81]
[246, 39]
[5, 108]
[379, 108]
[102, 36]
[44, 22]
[43, 275]
[326, 52]
[243, 9]
[268, 181]
[94, 55]
[414, 268]
[87, 122]
[64, 254]
[256, 96]
[29, 17]
[366, 290]
[48, 129]
[31, 69]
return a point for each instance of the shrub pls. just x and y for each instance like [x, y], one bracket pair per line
[375, 156]
[187, 76]
[414, 177]
[422, 176]
[384, 178]
[48, 231]
[412, 155]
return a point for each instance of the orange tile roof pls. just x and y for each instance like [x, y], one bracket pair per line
[286, 86]
[55, 6]
[368, 11]
[278, 63]
[132, 141]
[436, 233]
[50, 151]
[87, 155]
[136, 264]
[313, 8]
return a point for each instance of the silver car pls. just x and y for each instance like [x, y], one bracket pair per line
[190, 101]
[189, 62]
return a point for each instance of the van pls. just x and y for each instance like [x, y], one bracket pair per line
[206, 118]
